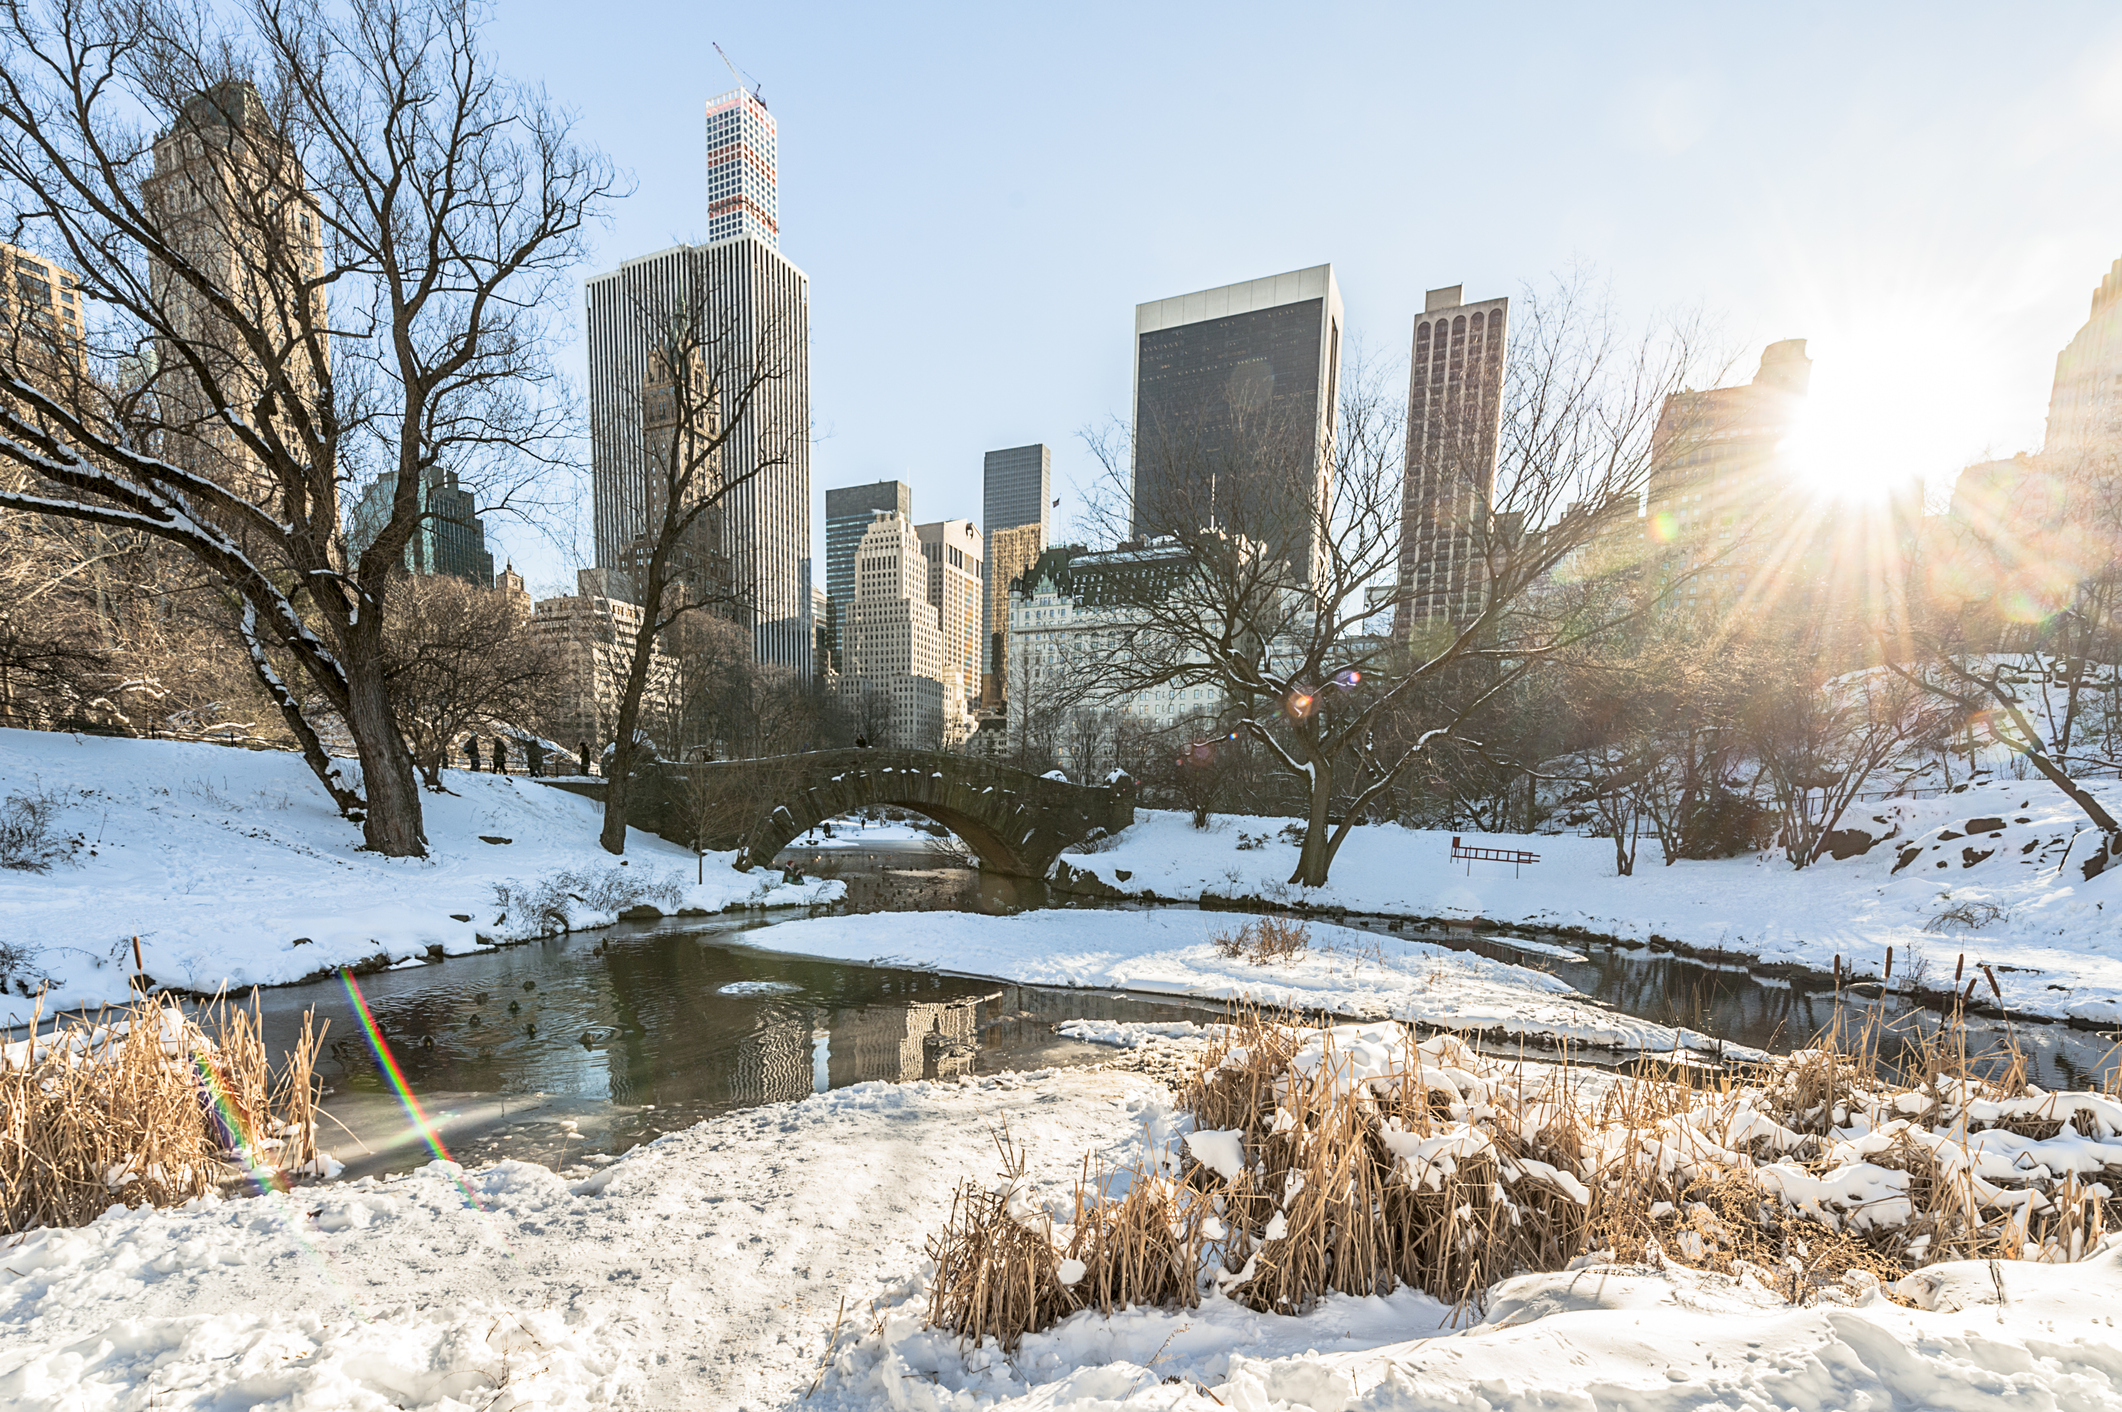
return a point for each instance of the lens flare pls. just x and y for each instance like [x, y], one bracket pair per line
[388, 1063]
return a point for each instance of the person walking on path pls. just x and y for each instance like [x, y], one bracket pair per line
[533, 757]
[500, 754]
[582, 749]
[471, 751]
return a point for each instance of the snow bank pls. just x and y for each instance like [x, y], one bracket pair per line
[703, 1270]
[2005, 893]
[1649, 1339]
[232, 869]
[741, 1261]
[1345, 971]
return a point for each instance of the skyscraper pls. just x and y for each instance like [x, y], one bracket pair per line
[1454, 407]
[1235, 392]
[893, 655]
[848, 512]
[1720, 499]
[2085, 407]
[232, 197]
[40, 322]
[1017, 485]
[448, 539]
[755, 308]
[741, 187]
[1017, 496]
[954, 555]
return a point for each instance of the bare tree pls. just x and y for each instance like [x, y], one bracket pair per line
[1988, 692]
[324, 258]
[458, 657]
[708, 372]
[1275, 613]
[2065, 519]
[1819, 739]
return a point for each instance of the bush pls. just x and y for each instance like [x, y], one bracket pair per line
[147, 1105]
[28, 841]
[544, 906]
[1264, 941]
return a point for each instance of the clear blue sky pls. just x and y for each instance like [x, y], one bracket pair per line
[980, 194]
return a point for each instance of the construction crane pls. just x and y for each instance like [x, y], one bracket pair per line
[758, 89]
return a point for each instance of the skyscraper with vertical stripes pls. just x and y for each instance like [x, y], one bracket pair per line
[756, 305]
[1454, 407]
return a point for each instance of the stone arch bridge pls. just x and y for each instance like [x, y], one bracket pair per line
[1016, 822]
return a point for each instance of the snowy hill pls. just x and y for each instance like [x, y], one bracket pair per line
[1982, 872]
[232, 868]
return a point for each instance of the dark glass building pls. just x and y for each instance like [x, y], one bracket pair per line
[1235, 392]
[450, 539]
[757, 307]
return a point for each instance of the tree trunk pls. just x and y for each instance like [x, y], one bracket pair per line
[1317, 855]
[392, 825]
[617, 785]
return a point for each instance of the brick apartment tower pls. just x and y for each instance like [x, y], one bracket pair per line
[1454, 407]
[234, 201]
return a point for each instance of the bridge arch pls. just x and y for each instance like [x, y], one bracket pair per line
[1015, 821]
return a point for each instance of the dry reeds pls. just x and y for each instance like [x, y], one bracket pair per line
[1355, 1159]
[1264, 941]
[144, 1106]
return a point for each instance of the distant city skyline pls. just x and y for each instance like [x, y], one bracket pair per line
[1812, 216]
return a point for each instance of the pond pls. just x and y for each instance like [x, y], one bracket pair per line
[593, 1043]
[578, 1046]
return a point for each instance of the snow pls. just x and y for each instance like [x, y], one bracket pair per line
[850, 832]
[1345, 971]
[1647, 1339]
[232, 868]
[705, 1269]
[2046, 930]
[773, 1258]
[1133, 1034]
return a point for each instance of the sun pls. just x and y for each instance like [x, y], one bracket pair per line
[1907, 386]
[1849, 440]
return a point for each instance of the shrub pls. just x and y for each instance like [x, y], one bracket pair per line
[1264, 941]
[1356, 1159]
[28, 840]
[544, 906]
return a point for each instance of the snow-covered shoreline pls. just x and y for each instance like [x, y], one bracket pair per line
[233, 870]
[1344, 972]
[774, 1258]
[2047, 932]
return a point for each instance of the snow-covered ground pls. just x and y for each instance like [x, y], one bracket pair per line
[2054, 939]
[1344, 971]
[233, 869]
[862, 833]
[773, 1259]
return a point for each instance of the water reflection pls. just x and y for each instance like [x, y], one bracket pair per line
[594, 1043]
[591, 1044]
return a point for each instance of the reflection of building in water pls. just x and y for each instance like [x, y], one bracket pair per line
[921, 1040]
[773, 1064]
